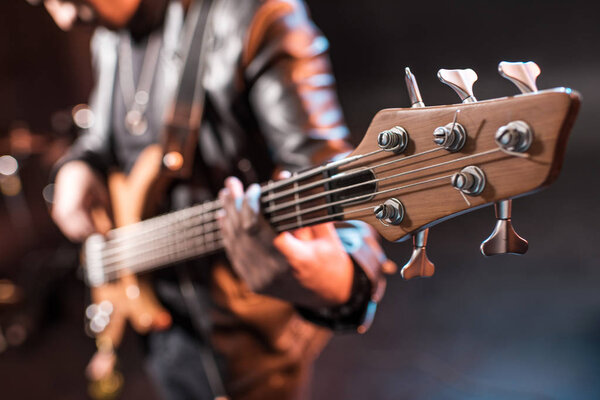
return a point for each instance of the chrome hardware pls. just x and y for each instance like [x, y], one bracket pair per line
[419, 265]
[452, 137]
[471, 181]
[416, 101]
[522, 75]
[515, 137]
[390, 213]
[394, 140]
[504, 239]
[461, 80]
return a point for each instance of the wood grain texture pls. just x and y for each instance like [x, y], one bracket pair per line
[550, 113]
[133, 297]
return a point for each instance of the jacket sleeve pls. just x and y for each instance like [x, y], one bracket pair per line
[293, 97]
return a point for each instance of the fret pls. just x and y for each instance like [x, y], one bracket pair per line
[296, 199]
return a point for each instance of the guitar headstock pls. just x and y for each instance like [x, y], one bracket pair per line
[433, 163]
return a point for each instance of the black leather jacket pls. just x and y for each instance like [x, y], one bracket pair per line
[270, 100]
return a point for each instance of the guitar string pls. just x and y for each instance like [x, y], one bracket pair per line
[145, 228]
[165, 219]
[194, 231]
[173, 237]
[312, 185]
[326, 193]
[291, 226]
[190, 251]
[181, 219]
[147, 239]
[110, 268]
[166, 259]
[323, 168]
[295, 214]
[367, 195]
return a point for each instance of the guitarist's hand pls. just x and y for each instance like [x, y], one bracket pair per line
[78, 190]
[309, 267]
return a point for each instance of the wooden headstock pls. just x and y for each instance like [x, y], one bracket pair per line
[420, 178]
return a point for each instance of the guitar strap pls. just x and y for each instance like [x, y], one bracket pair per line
[182, 126]
[179, 141]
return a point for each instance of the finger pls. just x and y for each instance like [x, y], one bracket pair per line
[77, 227]
[233, 199]
[228, 204]
[251, 208]
[304, 233]
[237, 191]
[285, 174]
[290, 246]
[323, 231]
[225, 227]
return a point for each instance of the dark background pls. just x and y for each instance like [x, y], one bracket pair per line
[506, 327]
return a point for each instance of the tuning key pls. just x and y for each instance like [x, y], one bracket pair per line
[504, 239]
[522, 74]
[461, 80]
[419, 265]
[416, 101]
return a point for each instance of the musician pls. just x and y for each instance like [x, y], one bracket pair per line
[270, 107]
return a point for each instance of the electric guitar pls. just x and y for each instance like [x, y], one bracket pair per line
[414, 168]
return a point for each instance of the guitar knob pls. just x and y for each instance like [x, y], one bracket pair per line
[504, 239]
[419, 265]
[461, 80]
[522, 74]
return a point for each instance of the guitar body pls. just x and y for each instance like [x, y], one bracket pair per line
[131, 297]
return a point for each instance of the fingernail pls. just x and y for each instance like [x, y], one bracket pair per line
[253, 197]
[220, 214]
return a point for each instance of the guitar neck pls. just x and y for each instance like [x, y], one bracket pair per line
[308, 198]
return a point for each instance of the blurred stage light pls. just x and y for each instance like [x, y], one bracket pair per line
[8, 165]
[83, 116]
[48, 193]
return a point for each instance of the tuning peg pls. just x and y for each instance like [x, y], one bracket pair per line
[522, 74]
[504, 239]
[461, 80]
[419, 265]
[414, 93]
